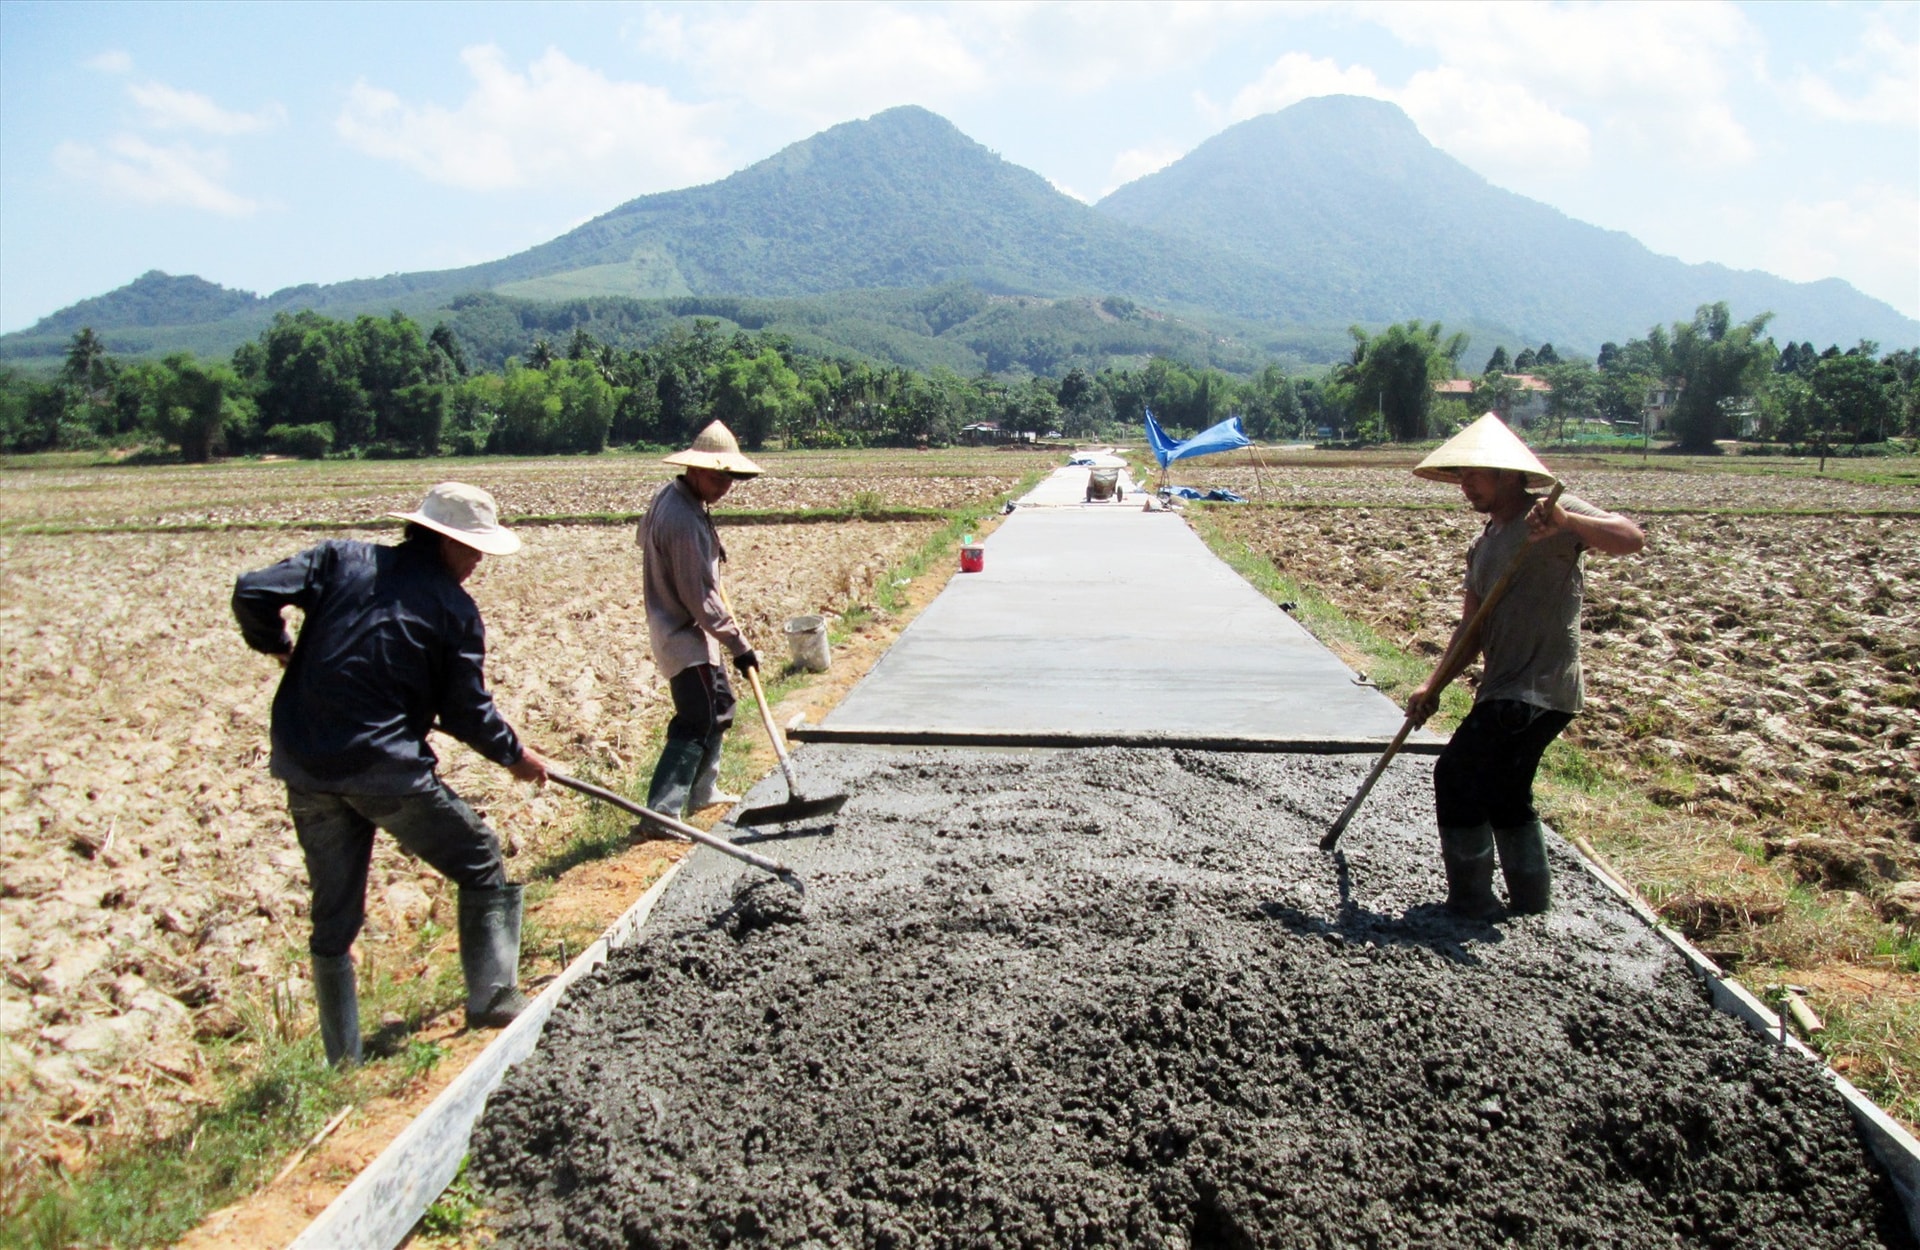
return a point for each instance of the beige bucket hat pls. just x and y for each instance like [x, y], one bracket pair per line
[1486, 444]
[715, 448]
[465, 514]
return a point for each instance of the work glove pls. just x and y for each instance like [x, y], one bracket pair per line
[746, 660]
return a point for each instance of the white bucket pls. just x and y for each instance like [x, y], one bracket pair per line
[807, 643]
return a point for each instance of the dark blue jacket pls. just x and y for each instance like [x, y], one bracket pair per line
[390, 644]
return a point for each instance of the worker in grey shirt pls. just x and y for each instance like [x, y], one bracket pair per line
[1531, 688]
[688, 624]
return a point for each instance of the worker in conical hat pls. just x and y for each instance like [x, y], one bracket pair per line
[688, 624]
[1530, 688]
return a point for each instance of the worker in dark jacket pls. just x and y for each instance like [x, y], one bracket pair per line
[390, 647]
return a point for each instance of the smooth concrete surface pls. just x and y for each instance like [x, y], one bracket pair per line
[1067, 487]
[1103, 619]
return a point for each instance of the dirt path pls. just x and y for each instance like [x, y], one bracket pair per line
[1118, 998]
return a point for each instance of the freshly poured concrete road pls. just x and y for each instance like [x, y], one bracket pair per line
[1098, 621]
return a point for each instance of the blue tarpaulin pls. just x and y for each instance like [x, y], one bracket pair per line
[1227, 436]
[1219, 495]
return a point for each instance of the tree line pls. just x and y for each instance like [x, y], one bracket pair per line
[1725, 379]
[314, 386]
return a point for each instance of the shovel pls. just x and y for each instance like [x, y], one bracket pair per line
[797, 806]
[680, 827]
[1462, 644]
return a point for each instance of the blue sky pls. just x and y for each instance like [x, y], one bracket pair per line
[265, 145]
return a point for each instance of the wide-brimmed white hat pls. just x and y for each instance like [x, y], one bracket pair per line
[1486, 444]
[715, 448]
[465, 514]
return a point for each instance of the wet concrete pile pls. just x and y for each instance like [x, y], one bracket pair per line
[1118, 998]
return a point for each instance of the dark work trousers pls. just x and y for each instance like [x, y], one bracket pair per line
[336, 835]
[1485, 774]
[702, 704]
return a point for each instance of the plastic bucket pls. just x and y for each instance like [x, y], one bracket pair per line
[972, 559]
[807, 643]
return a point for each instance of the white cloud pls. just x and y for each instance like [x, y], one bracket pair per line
[1868, 236]
[828, 62]
[558, 119]
[1885, 70]
[1087, 47]
[1139, 162]
[168, 108]
[138, 170]
[1492, 125]
[1296, 77]
[112, 61]
[1654, 76]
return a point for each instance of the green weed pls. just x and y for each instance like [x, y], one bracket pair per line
[154, 1192]
[1567, 765]
[1876, 1044]
[456, 1210]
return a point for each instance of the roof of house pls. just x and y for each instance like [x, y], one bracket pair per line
[1464, 386]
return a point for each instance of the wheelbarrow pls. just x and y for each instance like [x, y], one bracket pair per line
[1104, 483]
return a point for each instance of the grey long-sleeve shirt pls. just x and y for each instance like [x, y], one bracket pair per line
[687, 623]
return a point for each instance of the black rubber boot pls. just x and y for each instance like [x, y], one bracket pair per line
[1467, 854]
[339, 1002]
[673, 777]
[706, 780]
[1523, 860]
[490, 956]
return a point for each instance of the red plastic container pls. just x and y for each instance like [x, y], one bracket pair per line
[972, 559]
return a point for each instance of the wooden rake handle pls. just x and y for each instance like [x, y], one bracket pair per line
[679, 827]
[1463, 643]
[766, 709]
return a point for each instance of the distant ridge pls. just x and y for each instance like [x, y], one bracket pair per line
[1285, 228]
[1346, 199]
[152, 299]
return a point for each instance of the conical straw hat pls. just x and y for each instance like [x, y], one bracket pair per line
[715, 448]
[1486, 444]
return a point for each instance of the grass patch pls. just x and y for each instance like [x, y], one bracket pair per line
[457, 1211]
[600, 830]
[153, 1192]
[1875, 1043]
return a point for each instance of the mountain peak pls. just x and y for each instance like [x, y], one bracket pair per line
[1355, 208]
[1333, 211]
[154, 298]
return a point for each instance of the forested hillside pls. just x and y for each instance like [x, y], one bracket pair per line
[1356, 210]
[1268, 240]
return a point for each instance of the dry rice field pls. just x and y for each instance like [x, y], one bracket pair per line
[152, 896]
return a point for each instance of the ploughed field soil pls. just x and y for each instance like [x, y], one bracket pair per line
[1772, 659]
[332, 492]
[1120, 998]
[152, 896]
